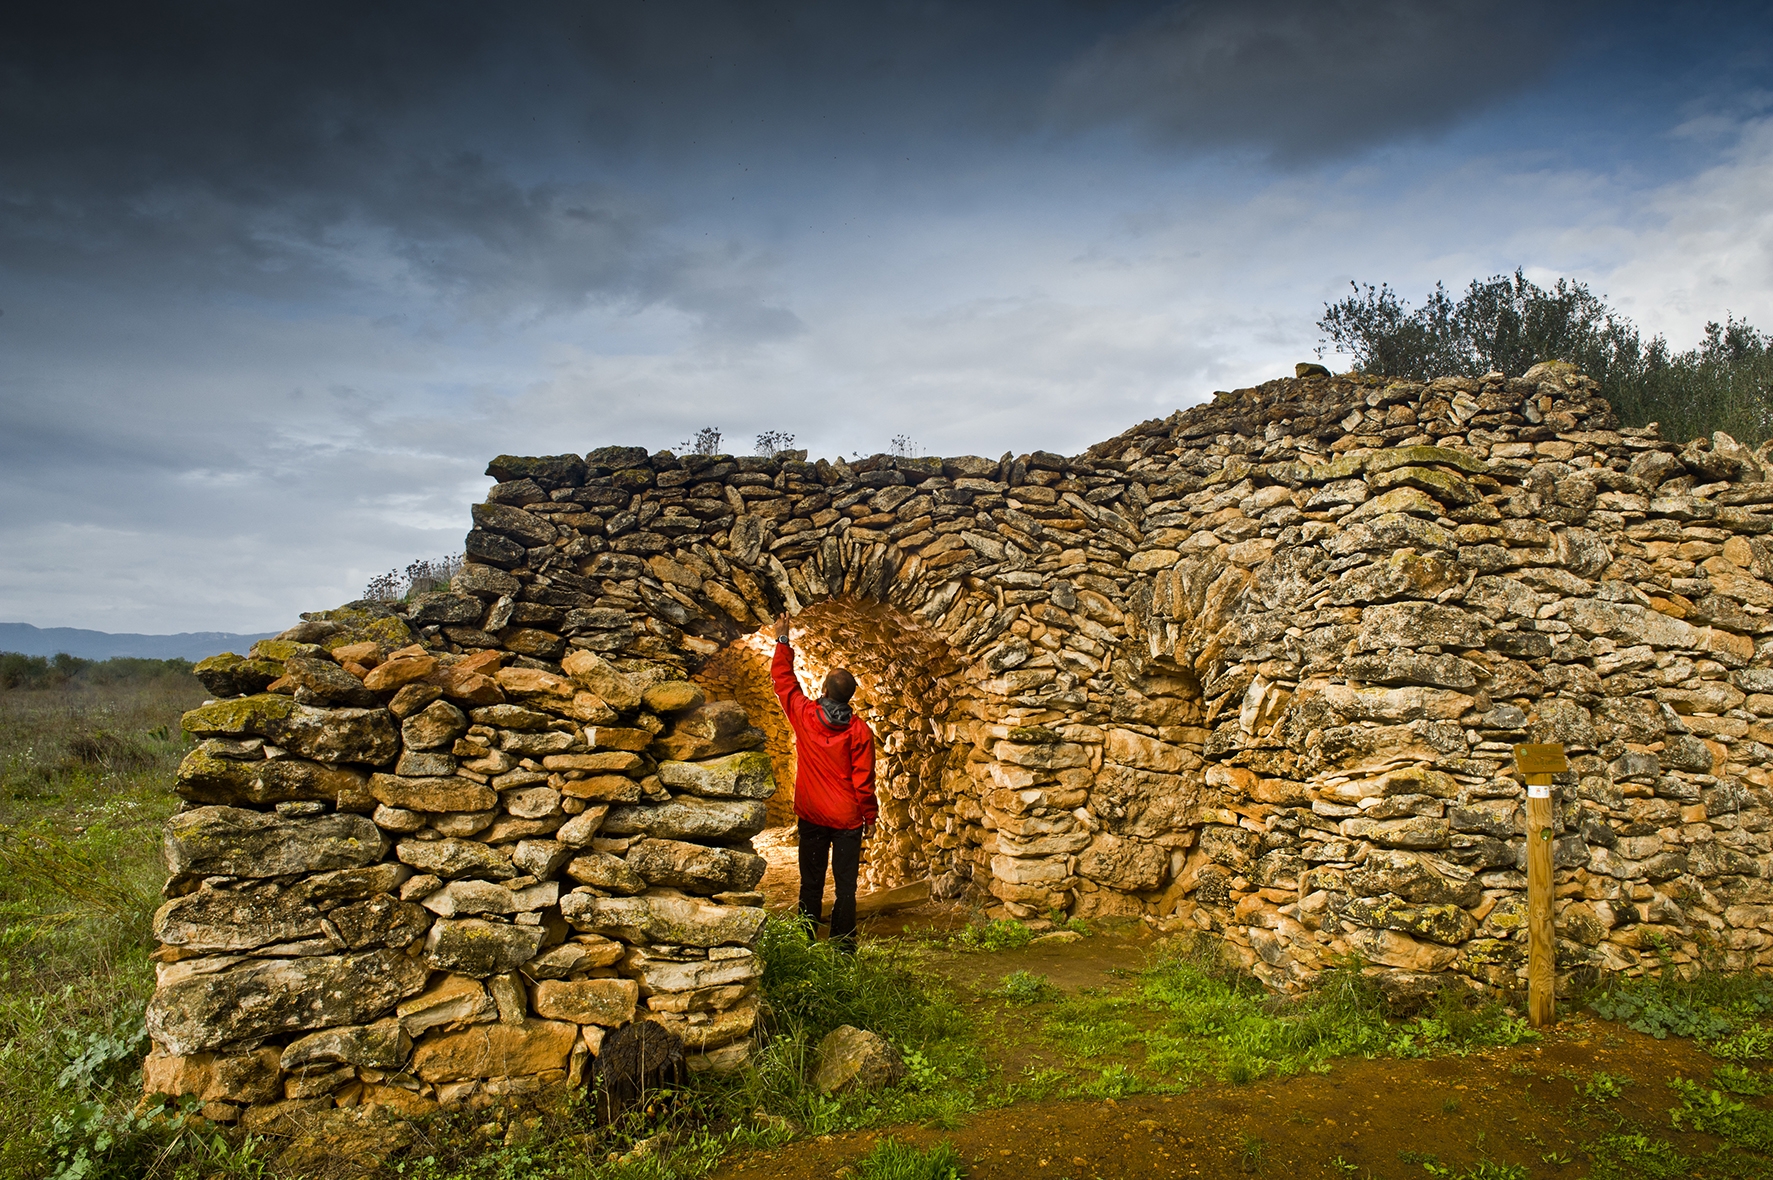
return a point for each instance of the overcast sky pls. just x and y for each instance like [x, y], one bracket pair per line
[277, 280]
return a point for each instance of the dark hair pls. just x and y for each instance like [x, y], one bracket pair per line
[840, 686]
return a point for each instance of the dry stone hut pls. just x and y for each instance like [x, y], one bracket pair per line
[1255, 669]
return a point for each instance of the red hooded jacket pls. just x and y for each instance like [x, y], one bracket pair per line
[834, 780]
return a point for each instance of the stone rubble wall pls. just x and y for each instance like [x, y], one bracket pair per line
[1254, 668]
[420, 878]
[1381, 588]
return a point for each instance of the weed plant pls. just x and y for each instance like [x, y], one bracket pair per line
[1734, 1079]
[811, 987]
[1483, 1169]
[1636, 1156]
[1715, 1113]
[1726, 1009]
[1603, 1086]
[1001, 934]
[1027, 987]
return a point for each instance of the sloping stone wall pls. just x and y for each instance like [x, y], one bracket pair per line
[1254, 668]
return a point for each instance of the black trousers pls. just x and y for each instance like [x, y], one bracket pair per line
[843, 849]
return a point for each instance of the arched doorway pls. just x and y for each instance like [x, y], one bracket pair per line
[913, 691]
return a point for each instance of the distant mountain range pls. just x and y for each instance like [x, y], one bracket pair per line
[102, 645]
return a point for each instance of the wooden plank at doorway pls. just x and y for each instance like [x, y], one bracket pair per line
[1537, 763]
[897, 898]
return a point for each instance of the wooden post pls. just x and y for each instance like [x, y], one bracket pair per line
[1536, 764]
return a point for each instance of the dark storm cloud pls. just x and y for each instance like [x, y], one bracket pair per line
[294, 151]
[1311, 79]
[508, 158]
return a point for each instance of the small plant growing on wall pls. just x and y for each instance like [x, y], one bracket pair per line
[705, 441]
[771, 442]
[419, 577]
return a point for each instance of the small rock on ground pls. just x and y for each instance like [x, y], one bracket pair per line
[852, 1058]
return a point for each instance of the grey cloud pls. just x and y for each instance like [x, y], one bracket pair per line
[1310, 79]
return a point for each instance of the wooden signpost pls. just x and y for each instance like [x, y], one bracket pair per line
[1536, 764]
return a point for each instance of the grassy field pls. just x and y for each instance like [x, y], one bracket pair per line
[86, 762]
[1006, 1038]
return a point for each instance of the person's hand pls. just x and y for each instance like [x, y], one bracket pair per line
[782, 627]
[868, 831]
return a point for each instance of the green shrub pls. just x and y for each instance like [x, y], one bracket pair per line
[1734, 1079]
[1646, 1009]
[44, 672]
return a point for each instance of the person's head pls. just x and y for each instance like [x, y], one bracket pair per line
[840, 686]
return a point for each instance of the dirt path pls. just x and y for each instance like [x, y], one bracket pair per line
[1380, 1118]
[1517, 1106]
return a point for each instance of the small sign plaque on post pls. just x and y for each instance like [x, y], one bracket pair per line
[1536, 763]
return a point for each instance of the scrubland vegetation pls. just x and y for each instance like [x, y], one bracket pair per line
[1507, 324]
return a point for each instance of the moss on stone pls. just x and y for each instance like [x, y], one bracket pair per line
[282, 650]
[1394, 457]
[363, 622]
[230, 674]
[255, 715]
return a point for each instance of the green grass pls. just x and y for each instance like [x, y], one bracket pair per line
[1196, 1019]
[893, 1160]
[811, 988]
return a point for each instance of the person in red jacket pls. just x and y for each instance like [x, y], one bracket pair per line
[833, 786]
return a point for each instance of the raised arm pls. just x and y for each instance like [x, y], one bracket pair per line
[782, 669]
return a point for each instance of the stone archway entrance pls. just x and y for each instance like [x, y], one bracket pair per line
[996, 614]
[913, 692]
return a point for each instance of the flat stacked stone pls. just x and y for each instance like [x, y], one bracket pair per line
[385, 885]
